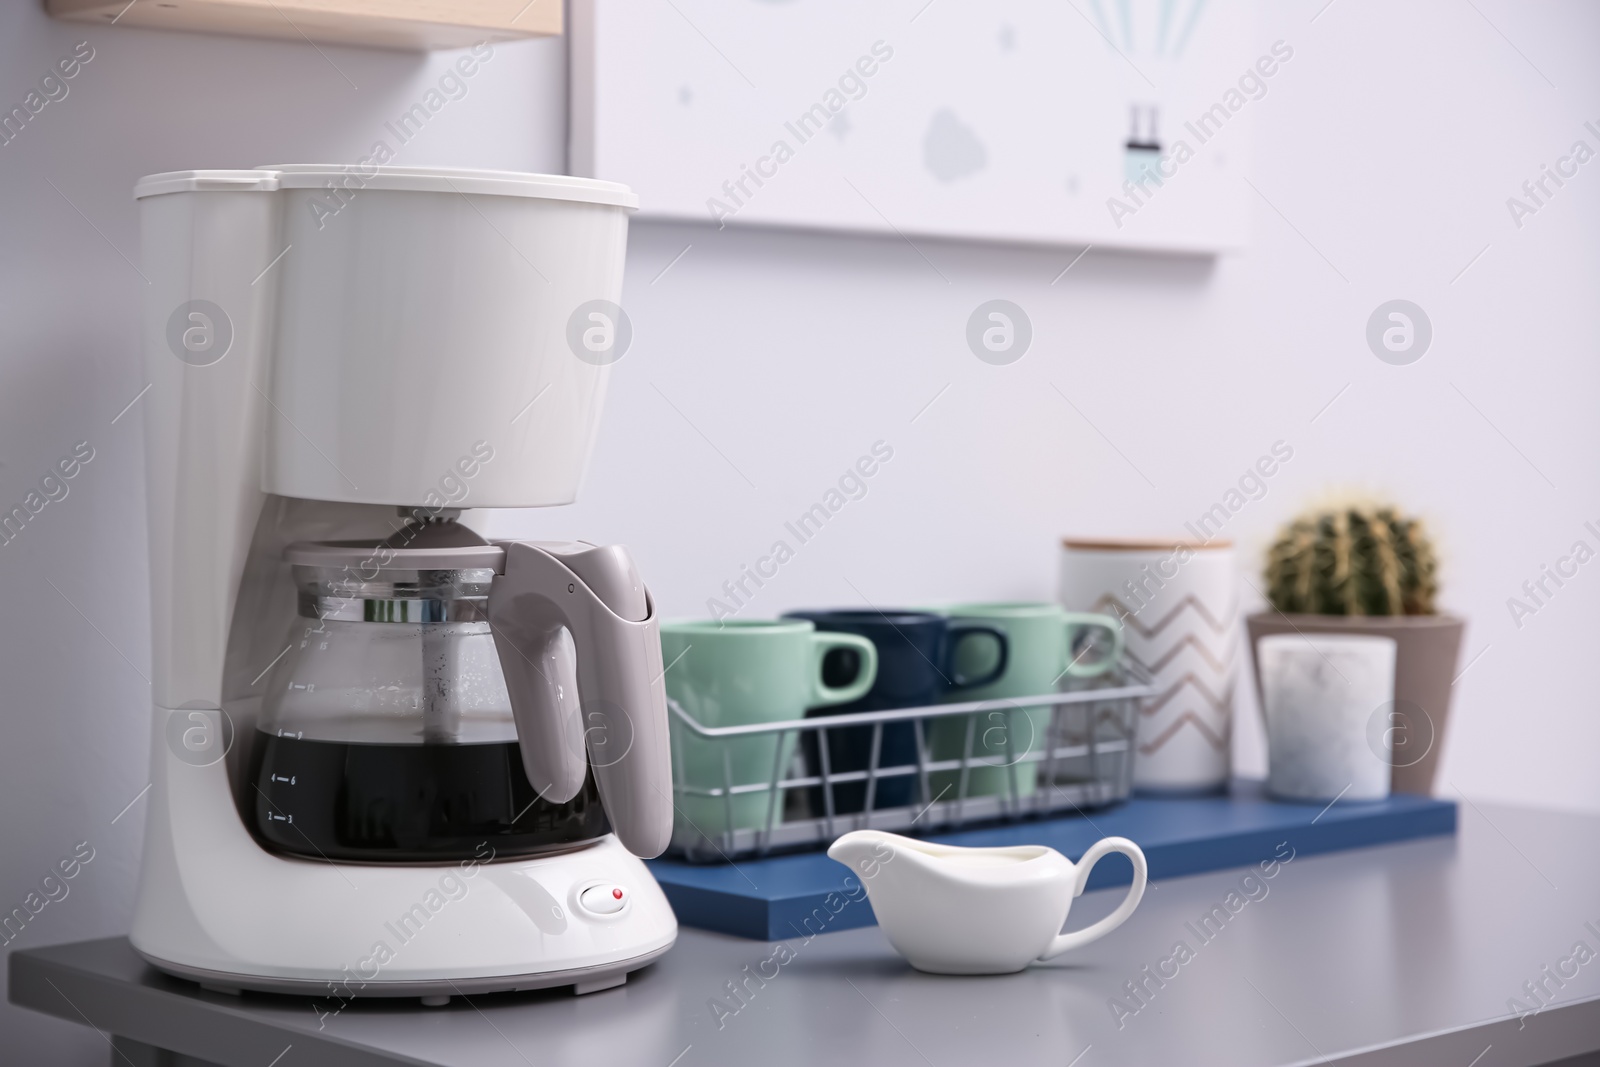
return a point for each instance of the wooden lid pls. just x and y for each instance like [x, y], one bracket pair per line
[1114, 544]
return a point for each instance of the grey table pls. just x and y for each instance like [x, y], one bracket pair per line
[1404, 954]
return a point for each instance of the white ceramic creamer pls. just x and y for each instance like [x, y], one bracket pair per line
[952, 910]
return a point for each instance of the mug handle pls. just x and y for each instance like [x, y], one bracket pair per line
[822, 643]
[960, 631]
[1073, 621]
[1141, 873]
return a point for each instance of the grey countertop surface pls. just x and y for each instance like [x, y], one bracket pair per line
[1402, 954]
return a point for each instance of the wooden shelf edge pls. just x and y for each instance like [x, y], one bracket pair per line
[411, 25]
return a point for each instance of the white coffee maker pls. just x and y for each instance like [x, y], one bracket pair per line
[389, 758]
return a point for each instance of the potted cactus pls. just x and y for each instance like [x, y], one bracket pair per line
[1369, 569]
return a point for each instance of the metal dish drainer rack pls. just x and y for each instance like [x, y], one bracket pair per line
[1085, 761]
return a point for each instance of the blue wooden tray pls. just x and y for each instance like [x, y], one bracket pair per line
[774, 898]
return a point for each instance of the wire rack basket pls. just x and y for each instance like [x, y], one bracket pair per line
[1013, 758]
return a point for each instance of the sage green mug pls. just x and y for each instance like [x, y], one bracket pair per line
[734, 673]
[1048, 644]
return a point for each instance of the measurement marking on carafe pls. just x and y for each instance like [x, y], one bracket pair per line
[532, 402]
[273, 664]
[280, 778]
[310, 842]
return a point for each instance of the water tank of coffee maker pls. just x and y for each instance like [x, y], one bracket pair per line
[442, 337]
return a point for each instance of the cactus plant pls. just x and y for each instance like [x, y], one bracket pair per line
[1352, 560]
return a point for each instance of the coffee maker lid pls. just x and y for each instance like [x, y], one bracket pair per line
[409, 179]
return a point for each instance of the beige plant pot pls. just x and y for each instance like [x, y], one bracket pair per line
[1427, 649]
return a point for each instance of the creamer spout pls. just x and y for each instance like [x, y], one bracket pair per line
[864, 851]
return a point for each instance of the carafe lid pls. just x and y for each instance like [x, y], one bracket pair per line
[432, 545]
[432, 560]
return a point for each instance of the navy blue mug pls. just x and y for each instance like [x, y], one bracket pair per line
[916, 667]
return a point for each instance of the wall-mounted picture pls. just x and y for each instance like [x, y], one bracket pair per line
[1122, 123]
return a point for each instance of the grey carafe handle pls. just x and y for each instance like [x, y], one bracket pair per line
[593, 593]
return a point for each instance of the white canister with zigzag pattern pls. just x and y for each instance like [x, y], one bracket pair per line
[1179, 606]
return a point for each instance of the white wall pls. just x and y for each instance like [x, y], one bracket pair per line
[1389, 146]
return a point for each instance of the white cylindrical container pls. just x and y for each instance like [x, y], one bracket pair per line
[1319, 694]
[443, 337]
[1179, 606]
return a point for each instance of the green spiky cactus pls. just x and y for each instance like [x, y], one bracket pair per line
[1353, 560]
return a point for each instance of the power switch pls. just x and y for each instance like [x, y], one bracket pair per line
[604, 899]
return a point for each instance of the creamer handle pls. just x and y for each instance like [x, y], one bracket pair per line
[1095, 931]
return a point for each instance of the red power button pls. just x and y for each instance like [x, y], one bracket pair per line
[605, 899]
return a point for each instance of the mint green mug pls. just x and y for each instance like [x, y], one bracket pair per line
[734, 673]
[1048, 644]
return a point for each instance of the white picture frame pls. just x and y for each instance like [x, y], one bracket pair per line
[1014, 121]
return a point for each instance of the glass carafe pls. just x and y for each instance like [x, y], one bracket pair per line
[386, 732]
